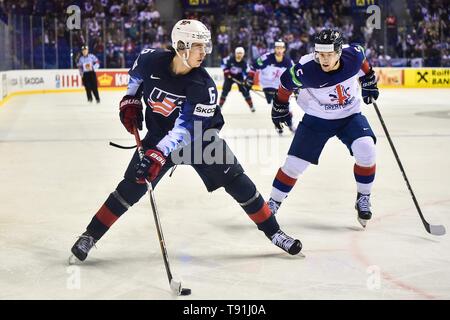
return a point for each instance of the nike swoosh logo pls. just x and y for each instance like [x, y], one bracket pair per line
[365, 129]
[153, 77]
[323, 85]
[226, 171]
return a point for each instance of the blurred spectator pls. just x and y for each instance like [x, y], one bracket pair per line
[223, 42]
[118, 26]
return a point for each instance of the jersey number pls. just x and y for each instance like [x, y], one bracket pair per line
[147, 50]
[212, 95]
[142, 52]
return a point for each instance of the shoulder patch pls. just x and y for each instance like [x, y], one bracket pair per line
[357, 49]
[296, 72]
[259, 61]
[306, 58]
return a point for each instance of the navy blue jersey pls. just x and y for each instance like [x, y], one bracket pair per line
[173, 102]
[236, 69]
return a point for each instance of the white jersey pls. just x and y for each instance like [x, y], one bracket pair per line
[270, 69]
[329, 95]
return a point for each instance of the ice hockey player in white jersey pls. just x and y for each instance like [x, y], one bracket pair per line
[271, 67]
[329, 94]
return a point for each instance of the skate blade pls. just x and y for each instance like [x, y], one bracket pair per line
[363, 222]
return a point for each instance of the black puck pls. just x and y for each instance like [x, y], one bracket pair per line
[185, 292]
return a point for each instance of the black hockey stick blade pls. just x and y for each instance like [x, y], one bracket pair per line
[121, 147]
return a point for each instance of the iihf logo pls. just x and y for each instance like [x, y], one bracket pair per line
[340, 95]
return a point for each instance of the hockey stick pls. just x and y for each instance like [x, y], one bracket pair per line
[132, 147]
[258, 92]
[175, 286]
[120, 146]
[437, 230]
[254, 90]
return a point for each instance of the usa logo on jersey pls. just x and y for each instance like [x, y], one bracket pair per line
[164, 102]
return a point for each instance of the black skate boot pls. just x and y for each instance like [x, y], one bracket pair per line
[363, 207]
[285, 242]
[82, 246]
[273, 205]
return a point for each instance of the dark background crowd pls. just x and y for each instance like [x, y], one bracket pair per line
[411, 33]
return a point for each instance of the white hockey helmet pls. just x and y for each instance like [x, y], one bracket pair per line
[280, 43]
[239, 50]
[186, 32]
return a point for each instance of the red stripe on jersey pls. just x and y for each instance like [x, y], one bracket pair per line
[261, 215]
[169, 103]
[106, 216]
[284, 178]
[165, 108]
[364, 171]
[365, 66]
[283, 94]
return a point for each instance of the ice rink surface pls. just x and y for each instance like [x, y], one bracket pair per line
[56, 170]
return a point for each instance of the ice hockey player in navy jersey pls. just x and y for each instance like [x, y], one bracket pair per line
[235, 68]
[329, 83]
[181, 110]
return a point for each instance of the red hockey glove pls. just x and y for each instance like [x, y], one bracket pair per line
[150, 165]
[131, 113]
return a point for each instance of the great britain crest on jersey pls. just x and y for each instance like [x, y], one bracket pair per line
[164, 102]
[340, 98]
[341, 95]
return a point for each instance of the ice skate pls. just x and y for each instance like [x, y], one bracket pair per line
[82, 247]
[363, 207]
[285, 242]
